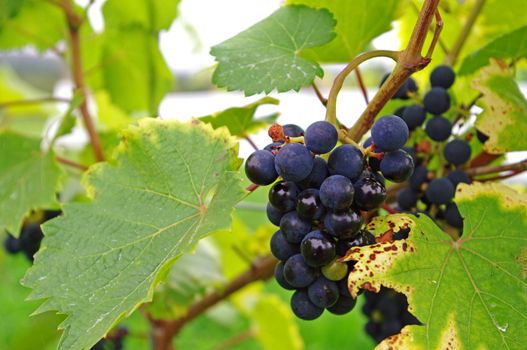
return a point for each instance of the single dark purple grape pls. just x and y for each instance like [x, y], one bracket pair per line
[282, 249]
[437, 101]
[397, 166]
[457, 152]
[321, 137]
[12, 244]
[453, 216]
[317, 175]
[336, 192]
[346, 160]
[323, 292]
[361, 239]
[283, 195]
[274, 147]
[303, 308]
[30, 238]
[389, 133]
[438, 128]
[297, 273]
[440, 191]
[442, 76]
[369, 193]
[414, 116]
[260, 168]
[308, 205]
[407, 198]
[418, 178]
[343, 288]
[294, 162]
[293, 228]
[399, 111]
[293, 130]
[343, 224]
[343, 306]
[273, 214]
[279, 276]
[458, 176]
[317, 249]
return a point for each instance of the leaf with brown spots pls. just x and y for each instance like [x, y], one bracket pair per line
[468, 293]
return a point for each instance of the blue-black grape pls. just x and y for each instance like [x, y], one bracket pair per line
[437, 101]
[283, 195]
[370, 193]
[442, 76]
[458, 176]
[373, 162]
[438, 128]
[323, 292]
[299, 274]
[397, 166]
[343, 224]
[414, 116]
[293, 130]
[389, 133]
[343, 306]
[317, 176]
[12, 244]
[303, 308]
[321, 137]
[294, 162]
[453, 216]
[281, 248]
[274, 214]
[399, 111]
[336, 192]
[308, 205]
[260, 168]
[279, 276]
[30, 239]
[457, 152]
[274, 147]
[346, 160]
[407, 198]
[361, 239]
[293, 228]
[343, 287]
[440, 191]
[317, 249]
[418, 178]
[404, 92]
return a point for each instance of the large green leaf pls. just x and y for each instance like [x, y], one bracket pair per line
[21, 24]
[358, 23]
[266, 57]
[504, 116]
[468, 293]
[29, 179]
[155, 15]
[240, 120]
[170, 185]
[512, 45]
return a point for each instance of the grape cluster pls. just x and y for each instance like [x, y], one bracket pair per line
[432, 192]
[317, 204]
[113, 341]
[30, 236]
[387, 312]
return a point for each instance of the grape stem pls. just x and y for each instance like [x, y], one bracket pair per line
[409, 60]
[71, 163]
[483, 170]
[321, 98]
[164, 330]
[363, 89]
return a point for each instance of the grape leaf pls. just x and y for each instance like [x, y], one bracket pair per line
[155, 15]
[266, 56]
[512, 45]
[358, 23]
[29, 179]
[504, 116]
[240, 120]
[169, 185]
[468, 293]
[274, 324]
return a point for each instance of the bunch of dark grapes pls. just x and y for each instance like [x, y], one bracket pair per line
[432, 192]
[319, 204]
[113, 341]
[387, 312]
[30, 237]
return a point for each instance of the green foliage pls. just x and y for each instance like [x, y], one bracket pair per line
[29, 179]
[358, 23]
[483, 272]
[504, 116]
[266, 56]
[512, 45]
[240, 120]
[170, 185]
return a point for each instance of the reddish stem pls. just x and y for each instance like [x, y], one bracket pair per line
[358, 74]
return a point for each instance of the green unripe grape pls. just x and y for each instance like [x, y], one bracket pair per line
[335, 271]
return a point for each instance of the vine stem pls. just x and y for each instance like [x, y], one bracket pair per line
[408, 61]
[331, 107]
[464, 33]
[71, 163]
[483, 170]
[75, 22]
[164, 330]
[320, 97]
[363, 89]
[17, 103]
